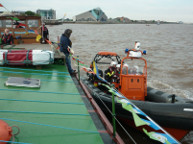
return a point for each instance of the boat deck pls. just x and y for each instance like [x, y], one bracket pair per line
[54, 113]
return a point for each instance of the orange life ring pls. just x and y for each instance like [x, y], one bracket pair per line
[5, 132]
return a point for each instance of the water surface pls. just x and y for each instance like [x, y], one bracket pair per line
[169, 50]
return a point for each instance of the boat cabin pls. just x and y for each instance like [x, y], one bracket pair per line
[133, 76]
[21, 27]
[128, 75]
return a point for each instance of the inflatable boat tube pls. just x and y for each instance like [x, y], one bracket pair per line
[26, 57]
[177, 115]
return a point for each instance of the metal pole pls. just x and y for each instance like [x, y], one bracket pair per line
[113, 116]
[78, 68]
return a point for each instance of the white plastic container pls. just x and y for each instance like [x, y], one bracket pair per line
[135, 54]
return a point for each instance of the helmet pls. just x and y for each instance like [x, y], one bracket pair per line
[125, 65]
[113, 63]
[136, 68]
[137, 45]
[118, 66]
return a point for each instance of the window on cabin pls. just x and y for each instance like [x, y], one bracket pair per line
[135, 66]
[18, 24]
[6, 23]
[32, 23]
[1, 25]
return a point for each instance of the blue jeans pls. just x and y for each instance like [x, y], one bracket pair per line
[68, 63]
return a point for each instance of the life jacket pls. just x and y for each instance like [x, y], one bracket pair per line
[7, 38]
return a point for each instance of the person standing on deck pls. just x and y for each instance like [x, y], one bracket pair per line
[7, 38]
[65, 43]
[44, 33]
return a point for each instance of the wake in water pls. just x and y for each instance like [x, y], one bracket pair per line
[169, 89]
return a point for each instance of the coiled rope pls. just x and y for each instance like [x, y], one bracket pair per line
[15, 134]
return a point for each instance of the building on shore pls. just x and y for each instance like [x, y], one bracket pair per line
[47, 14]
[92, 15]
[13, 13]
[123, 19]
[18, 12]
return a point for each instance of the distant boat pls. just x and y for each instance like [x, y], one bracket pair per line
[52, 22]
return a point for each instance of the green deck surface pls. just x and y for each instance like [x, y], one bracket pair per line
[51, 114]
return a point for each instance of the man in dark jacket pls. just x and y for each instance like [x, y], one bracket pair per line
[65, 42]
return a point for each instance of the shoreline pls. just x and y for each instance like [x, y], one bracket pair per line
[95, 22]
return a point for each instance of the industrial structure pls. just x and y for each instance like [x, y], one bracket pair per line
[92, 15]
[47, 14]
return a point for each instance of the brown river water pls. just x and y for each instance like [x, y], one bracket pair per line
[169, 51]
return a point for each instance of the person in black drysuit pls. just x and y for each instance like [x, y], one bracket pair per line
[44, 33]
[65, 42]
[7, 38]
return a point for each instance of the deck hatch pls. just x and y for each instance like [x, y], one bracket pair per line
[23, 82]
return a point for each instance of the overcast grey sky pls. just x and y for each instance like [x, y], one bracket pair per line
[167, 10]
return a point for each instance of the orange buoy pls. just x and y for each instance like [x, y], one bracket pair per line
[5, 132]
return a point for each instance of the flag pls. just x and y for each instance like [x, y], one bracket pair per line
[48, 41]
[1, 5]
[157, 136]
[15, 18]
[76, 59]
[36, 32]
[21, 24]
[85, 69]
[138, 121]
[31, 31]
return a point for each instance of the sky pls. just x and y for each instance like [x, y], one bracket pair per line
[166, 10]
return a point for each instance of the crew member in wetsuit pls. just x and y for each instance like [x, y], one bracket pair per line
[117, 74]
[110, 72]
[7, 38]
[125, 69]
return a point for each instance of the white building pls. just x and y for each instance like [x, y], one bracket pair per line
[47, 14]
[92, 15]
